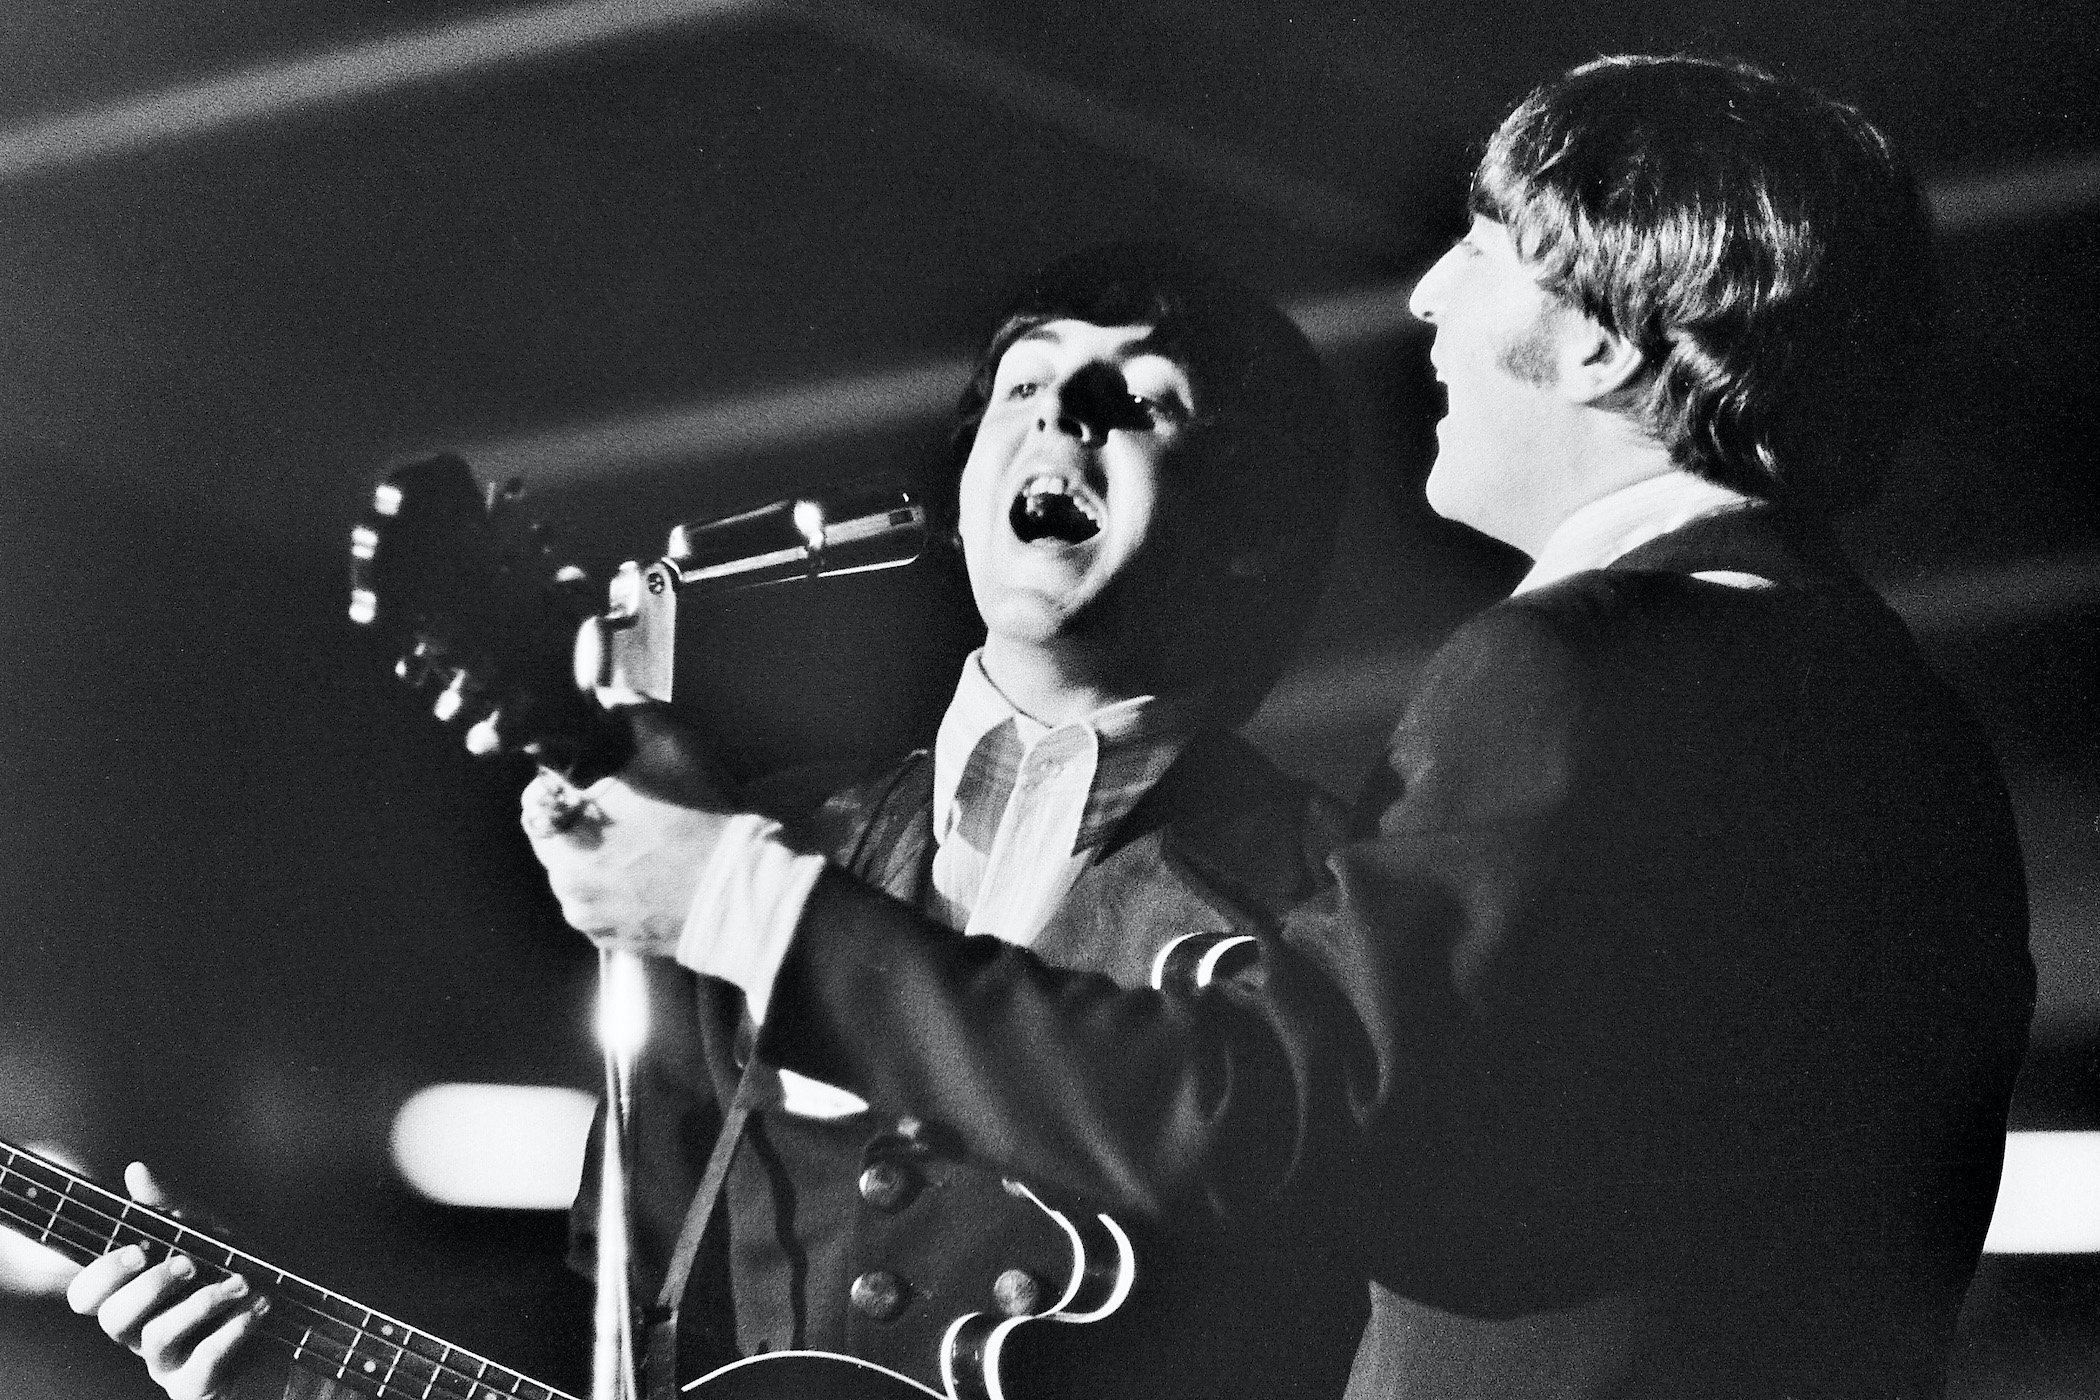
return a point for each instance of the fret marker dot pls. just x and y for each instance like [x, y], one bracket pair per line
[31, 1193]
[386, 1331]
[370, 1367]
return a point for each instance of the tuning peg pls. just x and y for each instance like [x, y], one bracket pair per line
[454, 696]
[486, 736]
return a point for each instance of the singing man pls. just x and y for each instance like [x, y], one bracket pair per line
[1148, 470]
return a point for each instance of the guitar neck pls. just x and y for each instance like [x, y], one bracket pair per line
[323, 1332]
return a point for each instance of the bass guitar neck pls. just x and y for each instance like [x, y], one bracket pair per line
[322, 1331]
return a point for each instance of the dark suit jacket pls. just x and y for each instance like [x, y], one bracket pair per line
[1704, 989]
[1269, 1305]
[1655, 1039]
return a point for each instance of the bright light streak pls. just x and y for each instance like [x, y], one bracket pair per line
[820, 412]
[342, 76]
[623, 1007]
[493, 1146]
[2049, 1199]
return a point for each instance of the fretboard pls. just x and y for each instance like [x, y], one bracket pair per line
[323, 1331]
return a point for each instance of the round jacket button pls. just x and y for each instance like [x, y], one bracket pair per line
[887, 1185]
[879, 1294]
[1018, 1292]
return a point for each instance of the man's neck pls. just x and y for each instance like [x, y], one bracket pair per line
[1048, 684]
[1613, 458]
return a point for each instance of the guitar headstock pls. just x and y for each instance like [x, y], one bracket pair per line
[466, 592]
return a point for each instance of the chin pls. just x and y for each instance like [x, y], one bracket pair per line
[1445, 489]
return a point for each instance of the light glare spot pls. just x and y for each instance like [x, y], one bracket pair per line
[493, 1146]
[809, 521]
[623, 1007]
[2049, 1199]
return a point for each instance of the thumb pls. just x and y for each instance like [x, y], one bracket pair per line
[148, 1190]
[144, 1187]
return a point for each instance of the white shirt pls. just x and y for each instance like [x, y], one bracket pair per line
[1018, 805]
[1616, 525]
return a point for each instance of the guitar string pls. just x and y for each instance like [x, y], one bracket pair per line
[444, 1376]
[324, 1346]
[135, 1218]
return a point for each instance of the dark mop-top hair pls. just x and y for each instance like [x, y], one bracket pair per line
[1760, 244]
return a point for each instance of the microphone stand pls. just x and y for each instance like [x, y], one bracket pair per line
[626, 656]
[622, 1028]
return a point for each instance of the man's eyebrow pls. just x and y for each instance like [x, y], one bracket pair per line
[1146, 344]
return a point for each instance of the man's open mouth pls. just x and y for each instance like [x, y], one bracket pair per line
[1046, 509]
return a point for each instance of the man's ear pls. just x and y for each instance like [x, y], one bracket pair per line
[1596, 363]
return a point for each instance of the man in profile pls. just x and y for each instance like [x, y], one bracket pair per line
[1687, 961]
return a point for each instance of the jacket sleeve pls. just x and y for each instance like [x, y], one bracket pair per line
[1277, 1080]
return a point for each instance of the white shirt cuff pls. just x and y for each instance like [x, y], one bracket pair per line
[745, 909]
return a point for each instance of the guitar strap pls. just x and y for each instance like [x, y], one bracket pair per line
[895, 829]
[660, 1353]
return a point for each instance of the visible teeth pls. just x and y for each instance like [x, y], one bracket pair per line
[1047, 509]
[1047, 485]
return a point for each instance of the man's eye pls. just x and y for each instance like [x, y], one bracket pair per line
[1021, 389]
[1162, 410]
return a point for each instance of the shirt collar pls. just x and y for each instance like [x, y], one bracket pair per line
[1623, 521]
[1136, 741]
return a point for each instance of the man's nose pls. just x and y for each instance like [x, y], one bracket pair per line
[1088, 404]
[1423, 301]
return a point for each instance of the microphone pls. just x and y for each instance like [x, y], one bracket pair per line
[625, 655]
[852, 530]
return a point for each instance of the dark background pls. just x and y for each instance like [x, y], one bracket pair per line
[660, 259]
